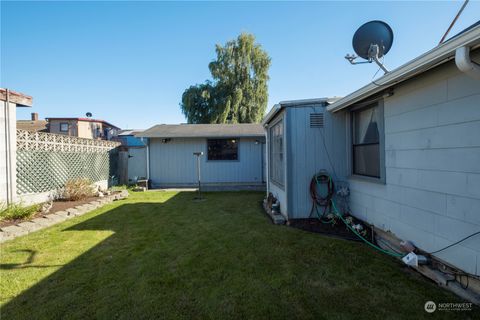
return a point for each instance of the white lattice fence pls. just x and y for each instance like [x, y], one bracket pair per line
[46, 161]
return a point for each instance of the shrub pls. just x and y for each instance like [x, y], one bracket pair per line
[78, 189]
[17, 211]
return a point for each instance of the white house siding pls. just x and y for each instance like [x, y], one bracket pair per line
[432, 190]
[7, 150]
[173, 163]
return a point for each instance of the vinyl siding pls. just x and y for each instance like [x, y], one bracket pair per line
[307, 154]
[432, 159]
[173, 163]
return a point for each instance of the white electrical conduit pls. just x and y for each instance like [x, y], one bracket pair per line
[465, 64]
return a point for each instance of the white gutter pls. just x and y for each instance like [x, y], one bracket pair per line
[465, 64]
[426, 61]
[275, 109]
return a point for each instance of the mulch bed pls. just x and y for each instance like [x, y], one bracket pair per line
[58, 205]
[338, 230]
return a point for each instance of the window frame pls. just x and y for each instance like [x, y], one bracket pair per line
[381, 143]
[225, 160]
[278, 121]
[62, 124]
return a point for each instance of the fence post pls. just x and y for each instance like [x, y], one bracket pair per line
[123, 167]
[8, 147]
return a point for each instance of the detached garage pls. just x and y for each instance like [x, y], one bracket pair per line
[233, 154]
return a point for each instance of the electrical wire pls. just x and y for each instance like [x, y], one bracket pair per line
[455, 243]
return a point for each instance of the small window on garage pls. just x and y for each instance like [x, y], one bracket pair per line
[63, 126]
[222, 149]
[366, 141]
[276, 159]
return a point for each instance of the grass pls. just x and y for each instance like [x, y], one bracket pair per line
[163, 255]
[17, 211]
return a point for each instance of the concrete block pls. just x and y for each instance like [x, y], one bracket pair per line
[73, 211]
[30, 226]
[43, 221]
[4, 236]
[15, 231]
[65, 214]
[56, 218]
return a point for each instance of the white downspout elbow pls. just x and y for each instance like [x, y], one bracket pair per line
[465, 64]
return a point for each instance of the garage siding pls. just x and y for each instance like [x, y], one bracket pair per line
[173, 163]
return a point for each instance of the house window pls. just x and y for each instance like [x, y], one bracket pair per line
[63, 126]
[222, 149]
[276, 153]
[366, 141]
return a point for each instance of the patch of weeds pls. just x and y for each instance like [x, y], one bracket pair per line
[17, 211]
[78, 189]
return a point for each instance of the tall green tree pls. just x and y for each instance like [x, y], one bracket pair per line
[239, 90]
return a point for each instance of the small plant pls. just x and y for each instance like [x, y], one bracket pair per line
[78, 189]
[17, 211]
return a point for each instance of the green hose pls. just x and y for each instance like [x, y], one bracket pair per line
[391, 253]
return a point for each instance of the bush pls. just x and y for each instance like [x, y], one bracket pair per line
[17, 211]
[78, 189]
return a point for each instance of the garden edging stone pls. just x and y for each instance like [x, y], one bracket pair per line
[26, 227]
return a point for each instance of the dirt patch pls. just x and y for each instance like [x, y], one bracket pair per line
[337, 230]
[59, 205]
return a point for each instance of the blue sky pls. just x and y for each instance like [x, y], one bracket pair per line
[129, 62]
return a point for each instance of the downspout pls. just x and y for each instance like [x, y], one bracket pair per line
[465, 64]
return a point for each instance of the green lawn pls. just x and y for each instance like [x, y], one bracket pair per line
[163, 255]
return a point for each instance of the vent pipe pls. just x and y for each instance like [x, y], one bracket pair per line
[465, 64]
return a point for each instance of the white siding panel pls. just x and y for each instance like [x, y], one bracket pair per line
[450, 136]
[460, 110]
[432, 190]
[448, 159]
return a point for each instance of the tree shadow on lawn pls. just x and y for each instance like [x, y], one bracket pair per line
[218, 258]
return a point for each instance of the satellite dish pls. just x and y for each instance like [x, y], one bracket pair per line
[372, 33]
[88, 114]
[372, 41]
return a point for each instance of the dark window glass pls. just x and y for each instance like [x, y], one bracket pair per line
[222, 149]
[63, 127]
[366, 142]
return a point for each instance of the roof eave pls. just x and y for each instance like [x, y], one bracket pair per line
[438, 55]
[20, 99]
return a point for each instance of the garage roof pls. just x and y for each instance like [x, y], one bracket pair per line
[203, 131]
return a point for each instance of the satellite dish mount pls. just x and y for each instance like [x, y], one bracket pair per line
[371, 42]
